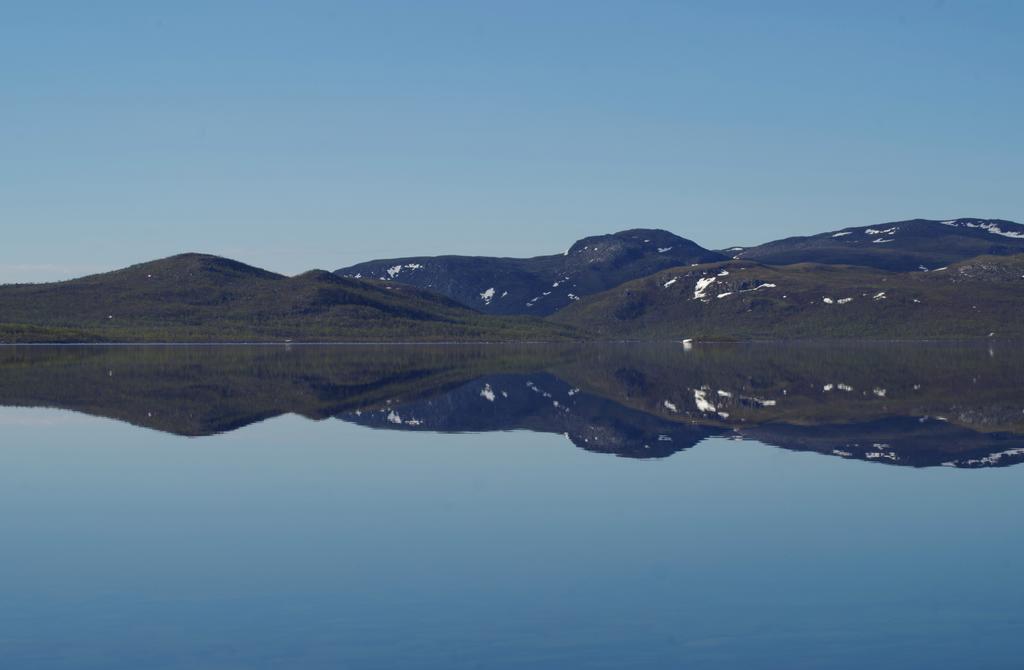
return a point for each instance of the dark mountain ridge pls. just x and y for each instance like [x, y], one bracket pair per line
[899, 246]
[544, 284]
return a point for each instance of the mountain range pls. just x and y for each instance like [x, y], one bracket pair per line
[908, 279]
[546, 284]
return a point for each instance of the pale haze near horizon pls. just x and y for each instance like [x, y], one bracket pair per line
[301, 135]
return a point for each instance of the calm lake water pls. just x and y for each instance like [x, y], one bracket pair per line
[726, 506]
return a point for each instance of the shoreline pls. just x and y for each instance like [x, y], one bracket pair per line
[583, 342]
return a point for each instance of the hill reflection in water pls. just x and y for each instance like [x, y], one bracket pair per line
[955, 404]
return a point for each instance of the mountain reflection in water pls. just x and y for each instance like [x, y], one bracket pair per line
[954, 404]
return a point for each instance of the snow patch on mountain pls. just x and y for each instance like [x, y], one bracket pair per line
[700, 398]
[985, 225]
[702, 285]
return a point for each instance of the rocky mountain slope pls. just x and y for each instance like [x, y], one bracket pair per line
[740, 299]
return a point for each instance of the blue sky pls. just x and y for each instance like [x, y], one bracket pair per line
[294, 135]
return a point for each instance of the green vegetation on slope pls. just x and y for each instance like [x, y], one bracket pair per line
[195, 298]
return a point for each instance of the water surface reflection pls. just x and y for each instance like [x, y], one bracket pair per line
[959, 405]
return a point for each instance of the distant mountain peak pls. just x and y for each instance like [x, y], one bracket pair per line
[661, 241]
[182, 267]
[900, 246]
[322, 276]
